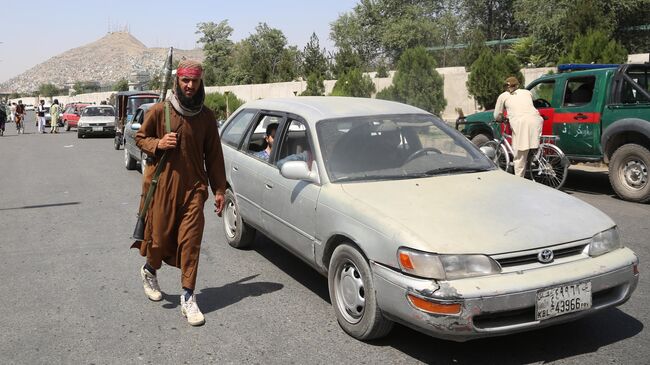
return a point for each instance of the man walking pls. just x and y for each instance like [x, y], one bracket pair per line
[54, 113]
[174, 220]
[20, 117]
[13, 113]
[40, 114]
[525, 121]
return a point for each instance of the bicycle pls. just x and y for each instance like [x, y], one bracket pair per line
[547, 164]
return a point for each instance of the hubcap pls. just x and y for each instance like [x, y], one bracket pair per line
[230, 219]
[636, 174]
[350, 293]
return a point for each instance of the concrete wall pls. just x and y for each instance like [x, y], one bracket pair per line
[455, 90]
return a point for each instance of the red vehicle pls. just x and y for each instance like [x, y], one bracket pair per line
[71, 114]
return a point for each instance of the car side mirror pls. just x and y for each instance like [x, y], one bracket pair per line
[135, 126]
[298, 170]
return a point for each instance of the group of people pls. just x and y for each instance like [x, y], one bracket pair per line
[16, 113]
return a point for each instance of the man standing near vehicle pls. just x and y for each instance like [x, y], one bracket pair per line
[13, 113]
[525, 121]
[55, 110]
[40, 113]
[174, 221]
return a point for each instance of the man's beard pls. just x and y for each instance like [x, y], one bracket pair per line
[191, 102]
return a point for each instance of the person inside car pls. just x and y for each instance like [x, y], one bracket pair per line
[270, 136]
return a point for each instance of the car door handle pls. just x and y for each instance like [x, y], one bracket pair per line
[580, 116]
[268, 186]
[235, 168]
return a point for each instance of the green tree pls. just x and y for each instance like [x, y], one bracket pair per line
[264, 57]
[487, 74]
[48, 90]
[354, 83]
[217, 46]
[595, 47]
[121, 85]
[313, 58]
[382, 70]
[217, 102]
[155, 82]
[315, 86]
[416, 82]
[346, 59]
[492, 18]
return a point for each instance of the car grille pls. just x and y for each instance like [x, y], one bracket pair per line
[97, 124]
[531, 257]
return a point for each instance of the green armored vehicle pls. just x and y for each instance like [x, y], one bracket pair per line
[601, 113]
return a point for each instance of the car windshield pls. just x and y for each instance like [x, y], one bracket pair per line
[389, 147]
[98, 112]
[134, 103]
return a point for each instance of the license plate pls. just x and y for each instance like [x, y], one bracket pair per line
[562, 299]
[98, 129]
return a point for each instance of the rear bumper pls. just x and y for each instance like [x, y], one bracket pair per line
[502, 304]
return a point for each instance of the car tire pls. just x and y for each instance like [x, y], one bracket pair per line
[116, 142]
[66, 125]
[628, 173]
[129, 162]
[480, 139]
[143, 161]
[80, 135]
[352, 293]
[238, 234]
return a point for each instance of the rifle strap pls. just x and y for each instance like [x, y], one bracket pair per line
[159, 167]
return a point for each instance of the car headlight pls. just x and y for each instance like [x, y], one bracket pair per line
[445, 267]
[604, 242]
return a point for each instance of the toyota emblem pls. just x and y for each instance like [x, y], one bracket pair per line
[545, 256]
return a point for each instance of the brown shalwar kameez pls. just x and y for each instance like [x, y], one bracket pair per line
[175, 221]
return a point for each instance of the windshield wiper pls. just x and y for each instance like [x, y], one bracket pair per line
[365, 177]
[449, 170]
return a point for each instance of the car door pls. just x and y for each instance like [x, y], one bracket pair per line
[289, 206]
[577, 120]
[129, 134]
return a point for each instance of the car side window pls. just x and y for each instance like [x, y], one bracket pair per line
[295, 144]
[631, 95]
[257, 140]
[544, 91]
[235, 130]
[579, 91]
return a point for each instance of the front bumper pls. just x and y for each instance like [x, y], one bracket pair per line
[505, 303]
[94, 130]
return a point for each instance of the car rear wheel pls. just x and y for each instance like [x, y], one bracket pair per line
[129, 161]
[628, 173]
[66, 125]
[352, 293]
[238, 233]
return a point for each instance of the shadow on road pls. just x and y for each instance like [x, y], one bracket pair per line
[588, 182]
[584, 336]
[212, 299]
[292, 266]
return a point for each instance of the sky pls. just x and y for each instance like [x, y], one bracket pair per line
[44, 30]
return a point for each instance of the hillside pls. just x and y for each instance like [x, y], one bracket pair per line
[106, 61]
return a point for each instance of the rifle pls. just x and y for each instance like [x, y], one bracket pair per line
[138, 233]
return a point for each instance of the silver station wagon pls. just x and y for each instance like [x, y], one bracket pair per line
[413, 224]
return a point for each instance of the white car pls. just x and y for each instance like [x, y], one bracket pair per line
[96, 120]
[411, 223]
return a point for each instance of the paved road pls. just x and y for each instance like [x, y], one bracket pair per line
[71, 291]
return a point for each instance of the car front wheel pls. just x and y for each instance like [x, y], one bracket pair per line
[628, 172]
[238, 233]
[353, 297]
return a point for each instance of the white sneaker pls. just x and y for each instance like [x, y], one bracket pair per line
[191, 310]
[150, 284]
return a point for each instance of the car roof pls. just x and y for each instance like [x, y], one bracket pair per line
[315, 108]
